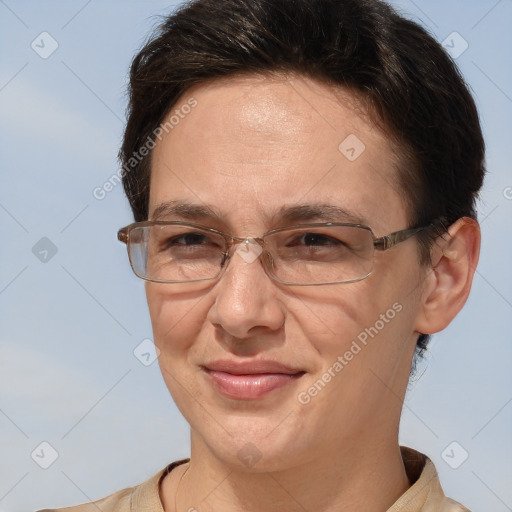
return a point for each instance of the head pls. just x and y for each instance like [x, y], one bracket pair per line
[247, 115]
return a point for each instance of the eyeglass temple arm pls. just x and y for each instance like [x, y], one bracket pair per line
[388, 241]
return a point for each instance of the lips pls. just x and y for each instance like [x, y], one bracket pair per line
[249, 380]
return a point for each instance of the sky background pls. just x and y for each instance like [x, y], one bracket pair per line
[72, 314]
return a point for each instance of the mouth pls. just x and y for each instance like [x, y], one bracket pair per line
[250, 380]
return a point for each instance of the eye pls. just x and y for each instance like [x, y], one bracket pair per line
[311, 246]
[187, 244]
[317, 239]
[187, 239]
[313, 239]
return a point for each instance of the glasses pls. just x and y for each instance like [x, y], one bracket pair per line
[301, 255]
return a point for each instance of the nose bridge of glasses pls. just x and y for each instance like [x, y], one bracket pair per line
[248, 248]
[236, 240]
[239, 243]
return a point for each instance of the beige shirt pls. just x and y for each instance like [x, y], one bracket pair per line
[425, 494]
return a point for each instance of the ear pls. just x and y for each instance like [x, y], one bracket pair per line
[448, 282]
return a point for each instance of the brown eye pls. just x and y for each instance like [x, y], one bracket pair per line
[317, 239]
[187, 239]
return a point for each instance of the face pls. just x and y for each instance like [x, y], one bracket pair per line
[336, 358]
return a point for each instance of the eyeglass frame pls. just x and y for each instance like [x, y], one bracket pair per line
[382, 243]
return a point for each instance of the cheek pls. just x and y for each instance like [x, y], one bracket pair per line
[338, 312]
[364, 322]
[177, 316]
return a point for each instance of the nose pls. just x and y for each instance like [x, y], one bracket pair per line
[247, 300]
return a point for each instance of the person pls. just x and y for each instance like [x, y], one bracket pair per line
[303, 177]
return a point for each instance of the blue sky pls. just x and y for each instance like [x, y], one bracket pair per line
[69, 326]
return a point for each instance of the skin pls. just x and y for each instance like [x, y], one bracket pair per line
[250, 147]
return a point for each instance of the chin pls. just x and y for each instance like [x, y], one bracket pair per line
[254, 444]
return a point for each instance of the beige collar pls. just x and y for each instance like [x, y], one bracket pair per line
[424, 495]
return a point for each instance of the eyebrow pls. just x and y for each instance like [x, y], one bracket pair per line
[184, 210]
[284, 215]
[319, 212]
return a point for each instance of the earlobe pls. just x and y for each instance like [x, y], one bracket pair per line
[448, 282]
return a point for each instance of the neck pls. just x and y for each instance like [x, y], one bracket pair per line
[352, 480]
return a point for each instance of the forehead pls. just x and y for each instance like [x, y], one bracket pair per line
[254, 144]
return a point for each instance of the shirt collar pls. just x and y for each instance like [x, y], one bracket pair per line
[424, 495]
